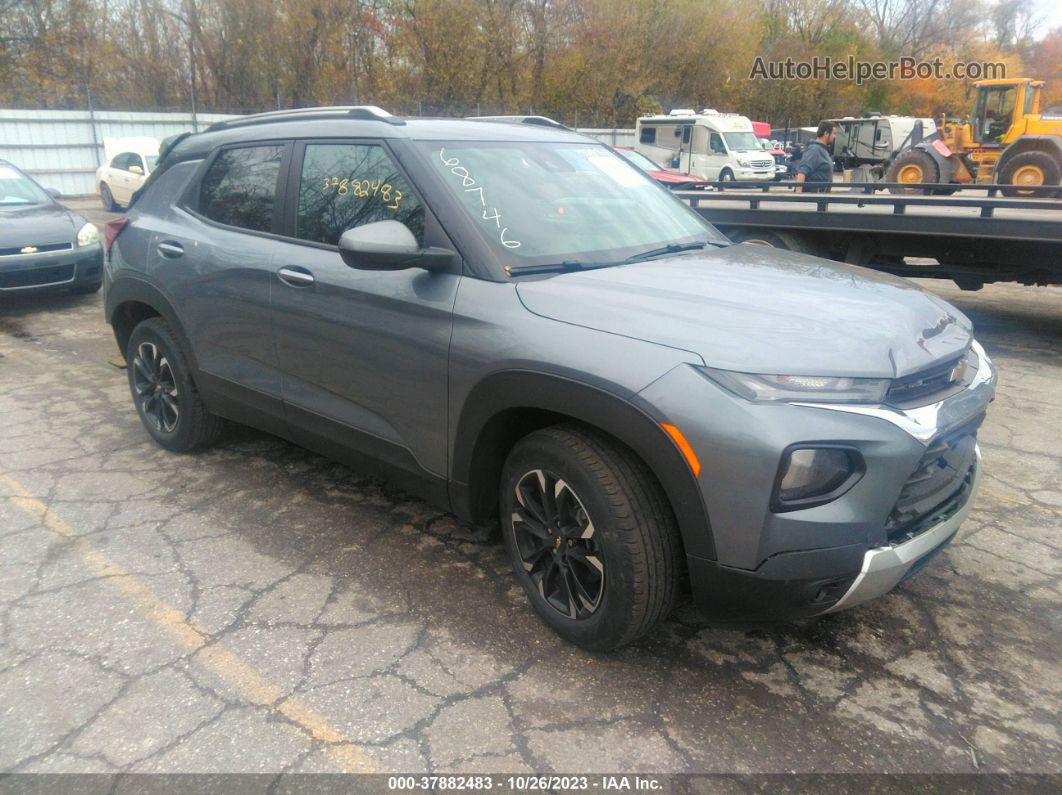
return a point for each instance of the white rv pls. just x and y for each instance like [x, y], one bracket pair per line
[708, 145]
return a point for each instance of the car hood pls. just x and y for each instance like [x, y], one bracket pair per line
[37, 224]
[757, 309]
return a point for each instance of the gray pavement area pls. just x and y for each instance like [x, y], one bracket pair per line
[257, 608]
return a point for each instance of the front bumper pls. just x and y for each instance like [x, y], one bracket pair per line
[886, 567]
[753, 175]
[761, 564]
[51, 271]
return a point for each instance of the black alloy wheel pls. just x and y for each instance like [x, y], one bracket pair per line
[156, 388]
[164, 392]
[555, 538]
[590, 535]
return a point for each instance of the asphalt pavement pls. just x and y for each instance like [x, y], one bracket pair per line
[258, 608]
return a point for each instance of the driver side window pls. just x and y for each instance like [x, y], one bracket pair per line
[348, 185]
[717, 144]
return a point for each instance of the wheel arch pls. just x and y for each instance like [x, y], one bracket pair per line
[1051, 144]
[130, 301]
[506, 406]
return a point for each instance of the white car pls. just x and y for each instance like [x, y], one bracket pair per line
[129, 161]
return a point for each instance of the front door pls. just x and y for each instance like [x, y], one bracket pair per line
[718, 157]
[364, 353]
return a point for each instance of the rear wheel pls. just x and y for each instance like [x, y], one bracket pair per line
[107, 199]
[912, 168]
[590, 535]
[164, 394]
[1029, 170]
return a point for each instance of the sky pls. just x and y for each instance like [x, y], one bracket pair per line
[1052, 12]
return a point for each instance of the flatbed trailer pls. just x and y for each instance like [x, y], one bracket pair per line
[973, 238]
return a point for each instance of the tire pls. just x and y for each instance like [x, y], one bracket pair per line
[789, 241]
[1025, 165]
[597, 484]
[107, 199]
[87, 289]
[914, 166]
[726, 175]
[181, 423]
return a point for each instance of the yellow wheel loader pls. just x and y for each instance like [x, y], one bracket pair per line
[1006, 141]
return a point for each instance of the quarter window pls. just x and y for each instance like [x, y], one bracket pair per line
[348, 185]
[648, 135]
[241, 186]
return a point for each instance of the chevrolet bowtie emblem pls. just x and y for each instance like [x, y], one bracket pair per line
[29, 250]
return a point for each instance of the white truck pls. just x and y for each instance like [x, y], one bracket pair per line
[128, 163]
[708, 145]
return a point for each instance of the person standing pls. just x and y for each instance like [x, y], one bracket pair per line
[816, 164]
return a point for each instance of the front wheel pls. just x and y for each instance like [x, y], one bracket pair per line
[590, 535]
[165, 396]
[1027, 170]
[726, 175]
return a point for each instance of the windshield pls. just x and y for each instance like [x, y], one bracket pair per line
[538, 203]
[741, 141]
[17, 189]
[638, 159]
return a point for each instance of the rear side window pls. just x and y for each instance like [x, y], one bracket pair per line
[648, 135]
[349, 185]
[240, 187]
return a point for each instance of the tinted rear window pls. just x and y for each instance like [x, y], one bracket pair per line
[240, 187]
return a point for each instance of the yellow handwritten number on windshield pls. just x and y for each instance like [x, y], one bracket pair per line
[364, 188]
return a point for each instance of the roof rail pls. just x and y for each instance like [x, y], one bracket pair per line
[361, 112]
[543, 121]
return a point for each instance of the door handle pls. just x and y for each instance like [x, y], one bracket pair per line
[295, 276]
[170, 248]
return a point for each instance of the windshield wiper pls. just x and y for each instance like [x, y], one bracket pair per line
[674, 248]
[567, 266]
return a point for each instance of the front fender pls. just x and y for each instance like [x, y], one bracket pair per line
[485, 424]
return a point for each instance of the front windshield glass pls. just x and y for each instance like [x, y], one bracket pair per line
[540, 203]
[741, 141]
[17, 189]
[638, 159]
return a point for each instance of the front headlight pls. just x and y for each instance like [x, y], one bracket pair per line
[743, 162]
[800, 388]
[88, 235]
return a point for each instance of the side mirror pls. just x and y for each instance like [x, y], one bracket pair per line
[389, 246]
[53, 192]
[136, 170]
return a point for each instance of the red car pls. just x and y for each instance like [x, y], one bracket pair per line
[668, 179]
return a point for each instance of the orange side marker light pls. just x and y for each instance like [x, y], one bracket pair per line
[684, 447]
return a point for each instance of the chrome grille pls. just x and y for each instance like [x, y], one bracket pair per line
[934, 383]
[42, 248]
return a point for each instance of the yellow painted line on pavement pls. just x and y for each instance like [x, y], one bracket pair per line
[226, 664]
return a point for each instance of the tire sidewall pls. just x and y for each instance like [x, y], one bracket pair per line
[608, 623]
[155, 331]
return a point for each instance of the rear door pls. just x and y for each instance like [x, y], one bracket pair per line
[215, 251]
[364, 353]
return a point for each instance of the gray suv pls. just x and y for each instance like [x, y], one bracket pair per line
[513, 322]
